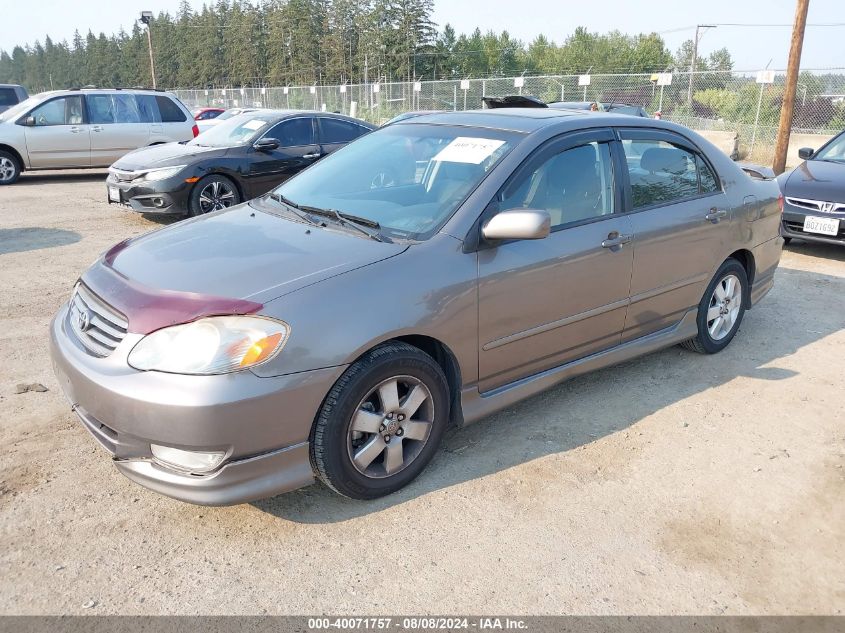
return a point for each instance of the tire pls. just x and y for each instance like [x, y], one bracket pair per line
[212, 193]
[713, 336]
[338, 454]
[10, 168]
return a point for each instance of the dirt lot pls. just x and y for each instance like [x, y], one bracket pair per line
[676, 483]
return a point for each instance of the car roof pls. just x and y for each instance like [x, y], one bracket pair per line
[282, 113]
[528, 120]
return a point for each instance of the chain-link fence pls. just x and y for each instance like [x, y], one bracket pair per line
[732, 102]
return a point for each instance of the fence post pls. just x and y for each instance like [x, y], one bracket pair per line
[756, 118]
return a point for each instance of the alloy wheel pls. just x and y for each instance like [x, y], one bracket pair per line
[725, 305]
[7, 169]
[390, 427]
[216, 195]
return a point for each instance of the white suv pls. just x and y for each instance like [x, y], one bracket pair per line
[71, 129]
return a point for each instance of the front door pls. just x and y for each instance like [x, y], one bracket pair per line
[681, 218]
[297, 150]
[543, 303]
[60, 136]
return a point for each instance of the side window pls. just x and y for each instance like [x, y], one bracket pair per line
[170, 112]
[660, 172]
[336, 131]
[125, 109]
[574, 185]
[147, 108]
[100, 108]
[706, 177]
[293, 132]
[61, 111]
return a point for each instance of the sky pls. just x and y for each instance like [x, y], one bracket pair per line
[752, 47]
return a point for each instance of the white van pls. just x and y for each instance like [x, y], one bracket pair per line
[71, 129]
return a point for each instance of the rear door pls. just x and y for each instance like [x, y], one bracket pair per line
[681, 221]
[335, 133]
[297, 150]
[116, 126]
[543, 303]
[60, 136]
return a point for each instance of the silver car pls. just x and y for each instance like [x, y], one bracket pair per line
[427, 274]
[71, 129]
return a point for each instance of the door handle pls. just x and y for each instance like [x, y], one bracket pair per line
[615, 239]
[97, 128]
[315, 155]
[715, 215]
[76, 129]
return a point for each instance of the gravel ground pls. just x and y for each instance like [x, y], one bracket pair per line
[675, 483]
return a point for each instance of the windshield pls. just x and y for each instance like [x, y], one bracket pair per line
[228, 114]
[408, 178]
[15, 111]
[238, 130]
[835, 151]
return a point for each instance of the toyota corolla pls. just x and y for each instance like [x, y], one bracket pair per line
[335, 327]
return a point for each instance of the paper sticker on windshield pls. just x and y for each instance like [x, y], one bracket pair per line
[254, 124]
[467, 149]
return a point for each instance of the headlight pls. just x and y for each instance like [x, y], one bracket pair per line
[164, 172]
[214, 345]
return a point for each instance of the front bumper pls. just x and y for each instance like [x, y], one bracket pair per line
[168, 196]
[261, 424]
[792, 225]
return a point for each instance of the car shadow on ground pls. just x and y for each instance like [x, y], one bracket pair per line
[29, 178]
[817, 249]
[32, 238]
[589, 407]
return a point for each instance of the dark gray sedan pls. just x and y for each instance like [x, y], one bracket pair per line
[335, 327]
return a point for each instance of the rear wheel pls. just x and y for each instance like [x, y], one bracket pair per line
[721, 309]
[10, 169]
[381, 423]
[213, 193]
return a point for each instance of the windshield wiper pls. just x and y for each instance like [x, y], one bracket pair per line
[293, 208]
[354, 221]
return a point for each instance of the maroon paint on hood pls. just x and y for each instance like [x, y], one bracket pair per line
[150, 309]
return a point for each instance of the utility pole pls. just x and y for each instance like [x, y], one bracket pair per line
[695, 58]
[147, 18]
[793, 66]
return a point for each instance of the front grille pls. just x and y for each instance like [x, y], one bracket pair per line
[798, 227]
[98, 326]
[817, 205]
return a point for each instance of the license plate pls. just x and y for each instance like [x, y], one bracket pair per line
[114, 194]
[823, 226]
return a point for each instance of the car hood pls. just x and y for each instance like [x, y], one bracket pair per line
[817, 180]
[166, 155]
[241, 253]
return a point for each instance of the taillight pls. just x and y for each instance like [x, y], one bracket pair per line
[195, 130]
[780, 202]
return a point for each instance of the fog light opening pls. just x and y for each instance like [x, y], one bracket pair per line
[188, 461]
[159, 202]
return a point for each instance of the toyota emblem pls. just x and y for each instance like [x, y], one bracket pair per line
[83, 320]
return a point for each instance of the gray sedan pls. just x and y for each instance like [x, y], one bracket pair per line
[427, 274]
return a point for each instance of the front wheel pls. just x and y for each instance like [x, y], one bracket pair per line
[381, 423]
[212, 193]
[721, 309]
[9, 168]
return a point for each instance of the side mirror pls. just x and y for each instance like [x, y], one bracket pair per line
[518, 224]
[29, 121]
[266, 144]
[806, 153]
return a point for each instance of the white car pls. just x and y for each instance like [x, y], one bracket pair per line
[207, 124]
[72, 129]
